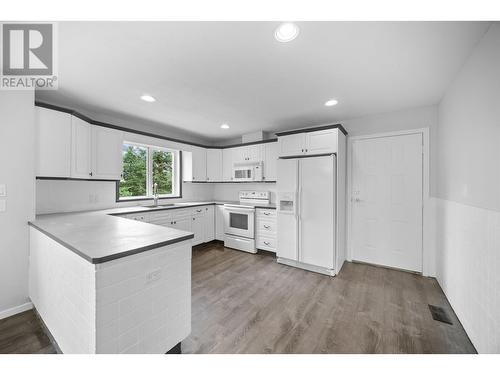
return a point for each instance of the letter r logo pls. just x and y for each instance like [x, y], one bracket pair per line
[27, 49]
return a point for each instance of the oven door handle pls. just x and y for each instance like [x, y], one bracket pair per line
[238, 209]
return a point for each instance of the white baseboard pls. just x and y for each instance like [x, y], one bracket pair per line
[16, 310]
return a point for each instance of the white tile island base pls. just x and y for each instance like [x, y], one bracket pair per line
[136, 304]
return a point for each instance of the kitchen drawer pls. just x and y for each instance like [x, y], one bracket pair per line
[159, 214]
[266, 226]
[199, 210]
[181, 213]
[266, 243]
[265, 213]
[138, 217]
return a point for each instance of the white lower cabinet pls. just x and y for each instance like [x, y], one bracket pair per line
[209, 223]
[219, 222]
[200, 220]
[265, 229]
[198, 229]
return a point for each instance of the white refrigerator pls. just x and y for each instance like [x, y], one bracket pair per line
[306, 207]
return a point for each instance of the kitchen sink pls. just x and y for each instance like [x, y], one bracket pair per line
[160, 205]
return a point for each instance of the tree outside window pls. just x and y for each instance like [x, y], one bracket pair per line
[143, 166]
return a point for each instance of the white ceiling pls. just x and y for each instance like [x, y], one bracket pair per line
[204, 74]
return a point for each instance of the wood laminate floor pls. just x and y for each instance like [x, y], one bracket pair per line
[247, 303]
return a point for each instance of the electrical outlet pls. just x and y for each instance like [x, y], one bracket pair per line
[153, 276]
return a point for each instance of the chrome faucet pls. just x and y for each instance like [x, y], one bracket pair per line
[155, 194]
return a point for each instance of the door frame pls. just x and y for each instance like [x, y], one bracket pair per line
[428, 258]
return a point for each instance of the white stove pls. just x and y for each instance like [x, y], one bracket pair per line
[239, 220]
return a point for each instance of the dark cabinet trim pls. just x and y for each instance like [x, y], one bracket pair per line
[147, 134]
[313, 129]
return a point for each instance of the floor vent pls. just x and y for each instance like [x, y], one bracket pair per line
[439, 314]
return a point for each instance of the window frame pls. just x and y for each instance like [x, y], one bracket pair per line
[176, 174]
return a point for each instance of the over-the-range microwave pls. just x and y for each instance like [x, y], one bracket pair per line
[250, 171]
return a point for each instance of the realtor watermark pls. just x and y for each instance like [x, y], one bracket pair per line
[28, 57]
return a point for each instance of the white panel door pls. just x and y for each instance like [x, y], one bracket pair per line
[80, 148]
[214, 164]
[387, 201]
[107, 160]
[317, 211]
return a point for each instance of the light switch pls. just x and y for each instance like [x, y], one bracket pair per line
[2, 205]
[3, 190]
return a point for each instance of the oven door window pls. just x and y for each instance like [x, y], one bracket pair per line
[242, 173]
[238, 221]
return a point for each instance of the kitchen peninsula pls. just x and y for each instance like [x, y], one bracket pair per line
[107, 284]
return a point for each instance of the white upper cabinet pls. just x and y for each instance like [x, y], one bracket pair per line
[322, 141]
[107, 160]
[214, 164]
[53, 143]
[253, 153]
[291, 145]
[194, 165]
[308, 143]
[227, 164]
[81, 137]
[270, 161]
[72, 148]
[199, 164]
[242, 154]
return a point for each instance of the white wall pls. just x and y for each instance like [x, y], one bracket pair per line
[17, 171]
[468, 191]
[413, 118]
[66, 196]
[229, 192]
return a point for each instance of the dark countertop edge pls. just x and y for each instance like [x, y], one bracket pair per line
[176, 208]
[111, 257]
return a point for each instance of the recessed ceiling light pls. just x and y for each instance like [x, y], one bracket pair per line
[331, 102]
[286, 32]
[224, 126]
[148, 98]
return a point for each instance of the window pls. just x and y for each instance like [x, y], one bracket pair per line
[143, 167]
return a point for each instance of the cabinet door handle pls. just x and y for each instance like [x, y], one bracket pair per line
[194, 218]
[266, 213]
[266, 243]
[267, 226]
[306, 149]
[90, 174]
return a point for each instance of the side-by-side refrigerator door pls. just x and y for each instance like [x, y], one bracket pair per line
[317, 231]
[287, 188]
